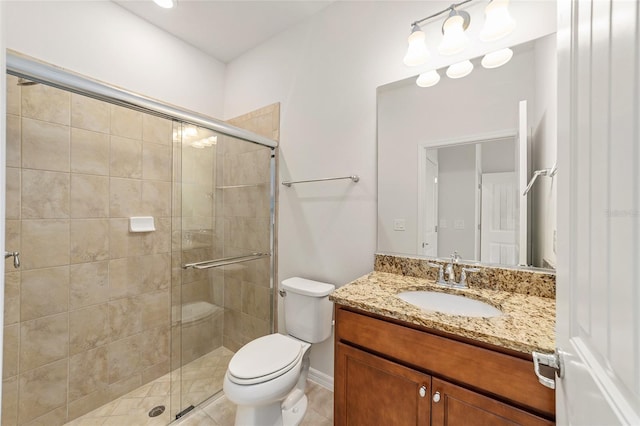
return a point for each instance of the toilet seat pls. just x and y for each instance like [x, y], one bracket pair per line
[264, 359]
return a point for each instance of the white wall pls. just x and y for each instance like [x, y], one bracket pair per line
[545, 147]
[325, 72]
[104, 41]
[457, 200]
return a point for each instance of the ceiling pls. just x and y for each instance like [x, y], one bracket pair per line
[225, 29]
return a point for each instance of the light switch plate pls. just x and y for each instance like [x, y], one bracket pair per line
[458, 224]
[399, 225]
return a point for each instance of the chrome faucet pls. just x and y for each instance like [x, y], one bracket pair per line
[449, 271]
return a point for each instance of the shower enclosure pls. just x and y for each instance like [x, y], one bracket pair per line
[102, 320]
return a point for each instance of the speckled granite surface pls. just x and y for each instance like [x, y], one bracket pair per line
[527, 324]
[532, 282]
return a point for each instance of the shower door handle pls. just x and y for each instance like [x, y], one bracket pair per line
[16, 257]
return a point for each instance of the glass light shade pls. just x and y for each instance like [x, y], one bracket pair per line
[212, 140]
[497, 59]
[166, 4]
[428, 79]
[499, 22]
[190, 131]
[198, 144]
[454, 40]
[417, 53]
[459, 70]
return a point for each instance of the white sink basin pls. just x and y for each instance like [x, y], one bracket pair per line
[450, 304]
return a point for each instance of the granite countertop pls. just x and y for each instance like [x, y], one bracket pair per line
[528, 323]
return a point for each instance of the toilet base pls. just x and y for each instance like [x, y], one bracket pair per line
[293, 416]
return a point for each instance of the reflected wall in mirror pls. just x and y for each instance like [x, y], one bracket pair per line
[453, 160]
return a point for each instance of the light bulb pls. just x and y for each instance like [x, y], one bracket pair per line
[197, 144]
[498, 23]
[165, 4]
[190, 131]
[428, 79]
[417, 53]
[213, 140]
[497, 59]
[459, 70]
[454, 40]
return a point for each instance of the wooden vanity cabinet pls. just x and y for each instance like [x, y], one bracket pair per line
[390, 374]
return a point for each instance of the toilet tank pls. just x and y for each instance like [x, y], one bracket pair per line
[307, 309]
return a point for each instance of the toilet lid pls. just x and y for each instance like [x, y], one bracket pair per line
[265, 358]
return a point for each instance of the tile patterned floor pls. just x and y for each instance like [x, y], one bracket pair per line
[200, 379]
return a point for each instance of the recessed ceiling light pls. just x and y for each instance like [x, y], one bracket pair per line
[166, 4]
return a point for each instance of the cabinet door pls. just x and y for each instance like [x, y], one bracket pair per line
[373, 391]
[453, 406]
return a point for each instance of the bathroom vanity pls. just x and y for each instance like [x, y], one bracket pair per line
[396, 364]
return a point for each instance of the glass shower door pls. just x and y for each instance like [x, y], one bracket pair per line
[222, 269]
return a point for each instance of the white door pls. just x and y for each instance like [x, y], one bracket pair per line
[598, 282]
[429, 215]
[523, 179]
[499, 216]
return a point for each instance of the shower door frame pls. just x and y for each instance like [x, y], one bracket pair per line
[30, 68]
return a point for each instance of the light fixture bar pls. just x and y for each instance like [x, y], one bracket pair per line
[448, 9]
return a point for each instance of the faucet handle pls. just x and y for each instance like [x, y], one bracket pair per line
[455, 257]
[440, 272]
[463, 275]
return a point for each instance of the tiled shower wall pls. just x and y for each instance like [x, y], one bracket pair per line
[245, 219]
[87, 315]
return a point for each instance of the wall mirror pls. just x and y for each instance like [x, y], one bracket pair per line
[454, 161]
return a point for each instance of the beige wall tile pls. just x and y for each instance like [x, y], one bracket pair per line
[89, 240]
[43, 341]
[90, 114]
[124, 386]
[125, 158]
[45, 195]
[44, 243]
[233, 294]
[46, 103]
[126, 122]
[89, 152]
[88, 284]
[88, 328]
[156, 198]
[154, 272]
[88, 372]
[156, 161]
[253, 327]
[86, 404]
[155, 371]
[12, 203]
[155, 346]
[11, 298]
[13, 96]
[12, 242]
[256, 301]
[57, 417]
[89, 196]
[124, 358]
[14, 141]
[125, 197]
[122, 242]
[158, 241]
[119, 284]
[155, 309]
[44, 292]
[157, 129]
[10, 351]
[125, 318]
[42, 390]
[45, 146]
[10, 402]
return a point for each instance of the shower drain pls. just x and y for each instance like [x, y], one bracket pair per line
[156, 411]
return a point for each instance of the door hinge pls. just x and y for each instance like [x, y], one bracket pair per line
[553, 361]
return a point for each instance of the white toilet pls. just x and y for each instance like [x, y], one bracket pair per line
[266, 378]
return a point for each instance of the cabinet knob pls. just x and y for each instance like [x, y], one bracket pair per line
[423, 391]
[436, 397]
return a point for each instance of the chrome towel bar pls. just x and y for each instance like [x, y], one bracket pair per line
[354, 178]
[225, 261]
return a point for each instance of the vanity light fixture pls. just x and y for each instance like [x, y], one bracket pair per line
[417, 52]
[460, 69]
[428, 79]
[165, 4]
[454, 39]
[499, 22]
[497, 59]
